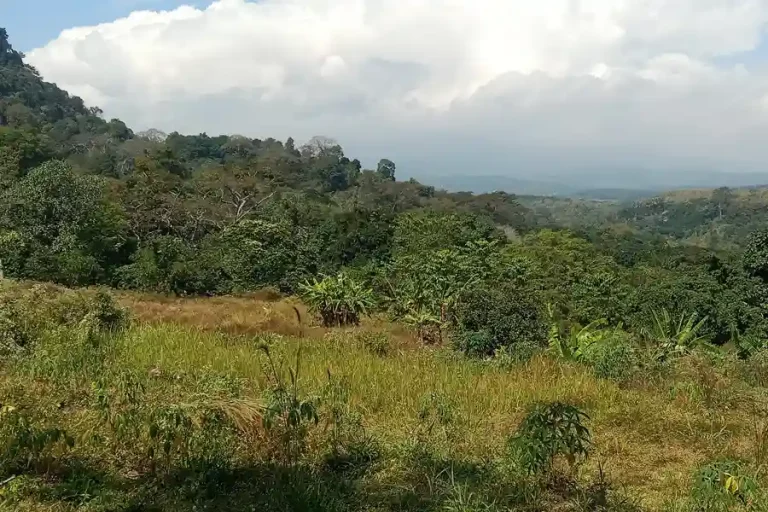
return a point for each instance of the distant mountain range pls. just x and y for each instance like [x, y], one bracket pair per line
[627, 185]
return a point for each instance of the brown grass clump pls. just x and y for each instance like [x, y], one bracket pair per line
[249, 315]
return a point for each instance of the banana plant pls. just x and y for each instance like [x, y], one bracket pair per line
[676, 336]
[572, 345]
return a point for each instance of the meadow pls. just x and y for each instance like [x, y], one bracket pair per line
[233, 404]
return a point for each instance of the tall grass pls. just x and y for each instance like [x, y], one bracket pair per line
[171, 416]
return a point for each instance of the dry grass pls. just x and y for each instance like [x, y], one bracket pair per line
[247, 315]
[649, 440]
[649, 436]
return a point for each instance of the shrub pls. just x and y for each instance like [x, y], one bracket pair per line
[288, 414]
[476, 343]
[25, 444]
[613, 358]
[436, 422]
[572, 344]
[504, 315]
[351, 449]
[675, 335]
[548, 431]
[338, 300]
[519, 353]
[724, 485]
[756, 369]
[100, 308]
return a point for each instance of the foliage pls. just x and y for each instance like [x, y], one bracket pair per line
[338, 300]
[756, 254]
[377, 343]
[492, 317]
[287, 414]
[548, 431]
[519, 353]
[723, 485]
[613, 357]
[675, 336]
[573, 344]
[24, 444]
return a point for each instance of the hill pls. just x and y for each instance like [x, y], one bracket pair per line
[195, 322]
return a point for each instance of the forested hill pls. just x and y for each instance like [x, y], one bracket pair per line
[87, 201]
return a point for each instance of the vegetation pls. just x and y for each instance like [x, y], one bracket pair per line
[235, 323]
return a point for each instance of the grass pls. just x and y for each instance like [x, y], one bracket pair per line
[650, 434]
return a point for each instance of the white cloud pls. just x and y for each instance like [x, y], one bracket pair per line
[504, 83]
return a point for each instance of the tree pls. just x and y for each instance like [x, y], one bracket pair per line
[722, 198]
[70, 232]
[20, 150]
[386, 169]
[8, 56]
[756, 254]
[232, 192]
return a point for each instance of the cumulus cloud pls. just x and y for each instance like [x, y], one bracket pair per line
[473, 86]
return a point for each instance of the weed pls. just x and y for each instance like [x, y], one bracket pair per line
[377, 343]
[509, 356]
[612, 358]
[25, 445]
[351, 448]
[723, 485]
[288, 414]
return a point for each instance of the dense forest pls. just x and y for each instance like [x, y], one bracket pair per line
[86, 201]
[493, 277]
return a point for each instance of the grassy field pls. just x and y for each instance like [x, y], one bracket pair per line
[170, 414]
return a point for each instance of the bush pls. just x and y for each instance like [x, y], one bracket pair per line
[756, 369]
[25, 444]
[490, 318]
[338, 300]
[475, 343]
[613, 358]
[549, 431]
[724, 485]
[99, 307]
[27, 314]
[519, 353]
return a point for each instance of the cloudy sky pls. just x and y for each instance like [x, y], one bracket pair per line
[472, 86]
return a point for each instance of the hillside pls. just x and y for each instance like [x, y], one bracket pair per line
[195, 322]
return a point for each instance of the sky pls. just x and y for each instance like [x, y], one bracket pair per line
[456, 86]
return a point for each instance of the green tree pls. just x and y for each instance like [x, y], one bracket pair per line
[386, 169]
[756, 254]
[69, 230]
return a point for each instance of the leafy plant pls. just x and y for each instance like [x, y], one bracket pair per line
[613, 359]
[429, 328]
[288, 414]
[519, 353]
[676, 336]
[436, 415]
[723, 484]
[548, 431]
[24, 444]
[338, 300]
[572, 344]
[351, 448]
[506, 313]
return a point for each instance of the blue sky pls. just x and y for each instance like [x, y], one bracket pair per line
[32, 23]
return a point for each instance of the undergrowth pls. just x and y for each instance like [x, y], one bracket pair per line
[103, 414]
